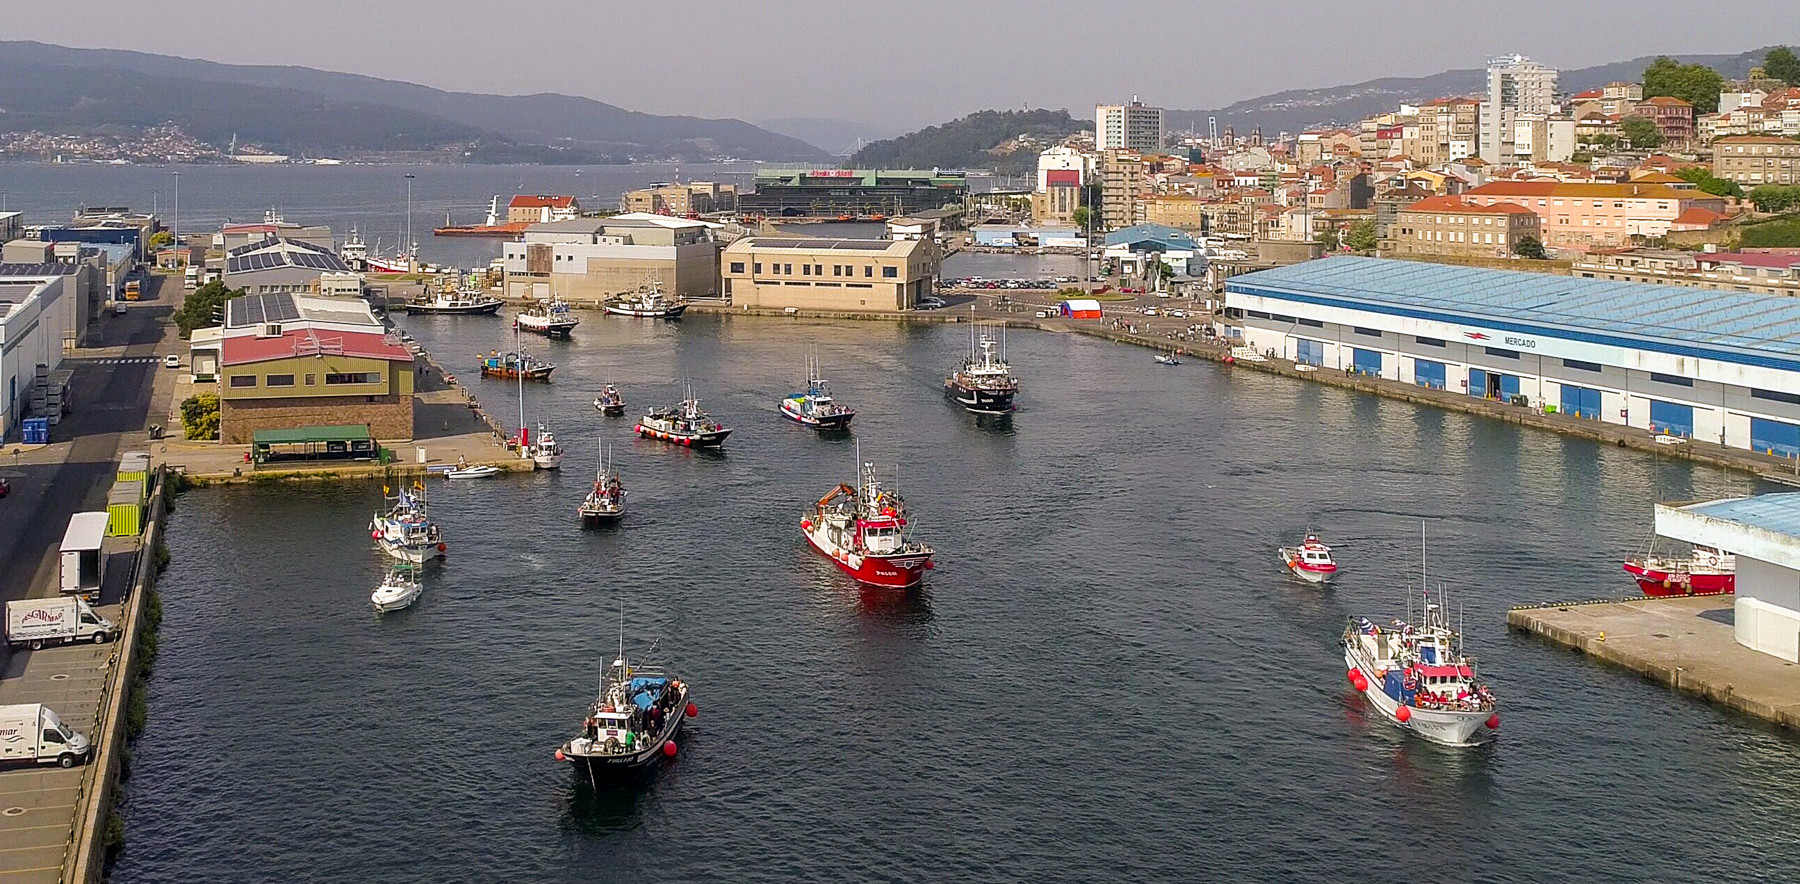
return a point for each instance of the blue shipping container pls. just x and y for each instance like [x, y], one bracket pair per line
[35, 431]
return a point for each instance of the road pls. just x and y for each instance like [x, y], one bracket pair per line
[114, 390]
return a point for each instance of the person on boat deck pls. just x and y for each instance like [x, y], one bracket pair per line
[462, 462]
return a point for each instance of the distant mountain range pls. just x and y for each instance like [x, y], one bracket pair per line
[834, 136]
[302, 111]
[1298, 109]
[1007, 142]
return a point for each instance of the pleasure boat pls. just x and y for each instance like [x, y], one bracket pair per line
[1419, 679]
[1705, 571]
[985, 383]
[1168, 359]
[406, 531]
[610, 401]
[605, 502]
[545, 453]
[466, 471]
[515, 365]
[400, 588]
[1310, 561]
[649, 303]
[631, 725]
[552, 319]
[683, 424]
[455, 302]
[864, 530]
[815, 407]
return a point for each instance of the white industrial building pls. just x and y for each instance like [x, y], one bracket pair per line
[37, 321]
[1763, 533]
[1716, 366]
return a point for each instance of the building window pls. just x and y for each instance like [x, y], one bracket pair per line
[756, 268]
[1502, 353]
[1278, 317]
[280, 380]
[818, 270]
[890, 272]
[1257, 314]
[243, 380]
[1430, 342]
[1315, 323]
[869, 271]
[312, 379]
[1373, 333]
[787, 269]
[1775, 396]
[806, 270]
[352, 377]
[738, 267]
[1584, 366]
[1671, 379]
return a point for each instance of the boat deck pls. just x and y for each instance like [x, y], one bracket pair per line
[1686, 643]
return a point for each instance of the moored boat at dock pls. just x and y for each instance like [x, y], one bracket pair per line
[544, 451]
[552, 319]
[516, 365]
[984, 384]
[631, 725]
[1705, 571]
[683, 424]
[1310, 561]
[816, 408]
[457, 302]
[863, 529]
[647, 303]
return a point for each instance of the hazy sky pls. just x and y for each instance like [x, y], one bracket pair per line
[900, 64]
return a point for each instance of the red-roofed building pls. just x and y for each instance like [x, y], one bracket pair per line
[541, 209]
[289, 361]
[1455, 225]
[1673, 117]
[1588, 216]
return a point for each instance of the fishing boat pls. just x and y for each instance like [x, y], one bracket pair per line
[518, 364]
[610, 401]
[400, 588]
[647, 302]
[816, 408]
[984, 384]
[683, 424]
[1168, 359]
[552, 319]
[455, 302]
[546, 454]
[1310, 561]
[406, 531]
[631, 725]
[605, 502]
[1418, 678]
[1705, 571]
[864, 530]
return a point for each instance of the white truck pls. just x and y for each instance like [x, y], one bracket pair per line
[83, 562]
[32, 732]
[39, 622]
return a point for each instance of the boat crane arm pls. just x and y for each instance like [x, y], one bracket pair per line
[843, 488]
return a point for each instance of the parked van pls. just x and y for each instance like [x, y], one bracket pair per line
[37, 622]
[191, 279]
[33, 732]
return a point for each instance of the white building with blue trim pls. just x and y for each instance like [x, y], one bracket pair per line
[1716, 366]
[1763, 534]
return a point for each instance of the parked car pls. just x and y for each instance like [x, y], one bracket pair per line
[172, 361]
[119, 308]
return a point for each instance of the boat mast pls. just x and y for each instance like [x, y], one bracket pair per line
[519, 364]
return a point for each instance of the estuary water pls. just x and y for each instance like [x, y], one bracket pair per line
[1108, 677]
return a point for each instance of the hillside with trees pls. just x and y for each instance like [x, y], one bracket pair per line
[1007, 142]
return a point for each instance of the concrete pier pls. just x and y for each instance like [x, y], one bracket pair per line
[1685, 643]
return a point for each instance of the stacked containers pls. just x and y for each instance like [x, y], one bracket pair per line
[125, 503]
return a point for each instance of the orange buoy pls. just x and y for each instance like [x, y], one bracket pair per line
[560, 756]
[1404, 713]
[669, 749]
[692, 710]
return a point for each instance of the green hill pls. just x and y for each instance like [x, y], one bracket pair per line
[1006, 141]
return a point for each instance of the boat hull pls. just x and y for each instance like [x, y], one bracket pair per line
[828, 422]
[712, 439]
[535, 374]
[462, 310]
[892, 572]
[414, 554]
[385, 602]
[601, 517]
[1445, 727]
[603, 769]
[476, 472]
[1310, 574]
[552, 330]
[658, 313]
[1658, 583]
[978, 400]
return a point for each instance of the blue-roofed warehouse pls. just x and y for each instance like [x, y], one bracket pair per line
[1132, 248]
[1759, 539]
[1719, 366]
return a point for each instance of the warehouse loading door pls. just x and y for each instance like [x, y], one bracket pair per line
[1671, 418]
[1581, 402]
[1429, 374]
[1478, 382]
[1366, 362]
[1309, 352]
[1775, 437]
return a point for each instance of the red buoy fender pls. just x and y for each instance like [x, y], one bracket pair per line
[560, 756]
[1404, 713]
[692, 710]
[669, 749]
[1493, 722]
[443, 547]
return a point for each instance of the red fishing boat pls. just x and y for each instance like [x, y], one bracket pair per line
[1706, 571]
[1310, 561]
[864, 530]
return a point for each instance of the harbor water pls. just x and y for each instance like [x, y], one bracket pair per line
[1109, 677]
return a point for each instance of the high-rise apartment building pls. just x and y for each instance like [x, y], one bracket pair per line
[1128, 127]
[1516, 85]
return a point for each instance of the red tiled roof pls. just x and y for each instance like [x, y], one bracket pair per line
[1695, 215]
[246, 349]
[526, 201]
[1455, 204]
[1591, 93]
[1666, 101]
[1071, 177]
[1777, 261]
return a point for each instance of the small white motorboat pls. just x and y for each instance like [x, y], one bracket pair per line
[479, 471]
[1167, 359]
[398, 589]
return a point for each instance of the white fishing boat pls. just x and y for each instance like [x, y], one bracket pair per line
[650, 302]
[400, 588]
[552, 319]
[546, 454]
[1311, 561]
[605, 502]
[406, 531]
[1167, 359]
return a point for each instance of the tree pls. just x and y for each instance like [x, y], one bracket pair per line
[1704, 181]
[1328, 238]
[1529, 247]
[1640, 132]
[1695, 84]
[1080, 216]
[1774, 198]
[161, 238]
[1362, 237]
[200, 416]
[1781, 64]
[203, 306]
